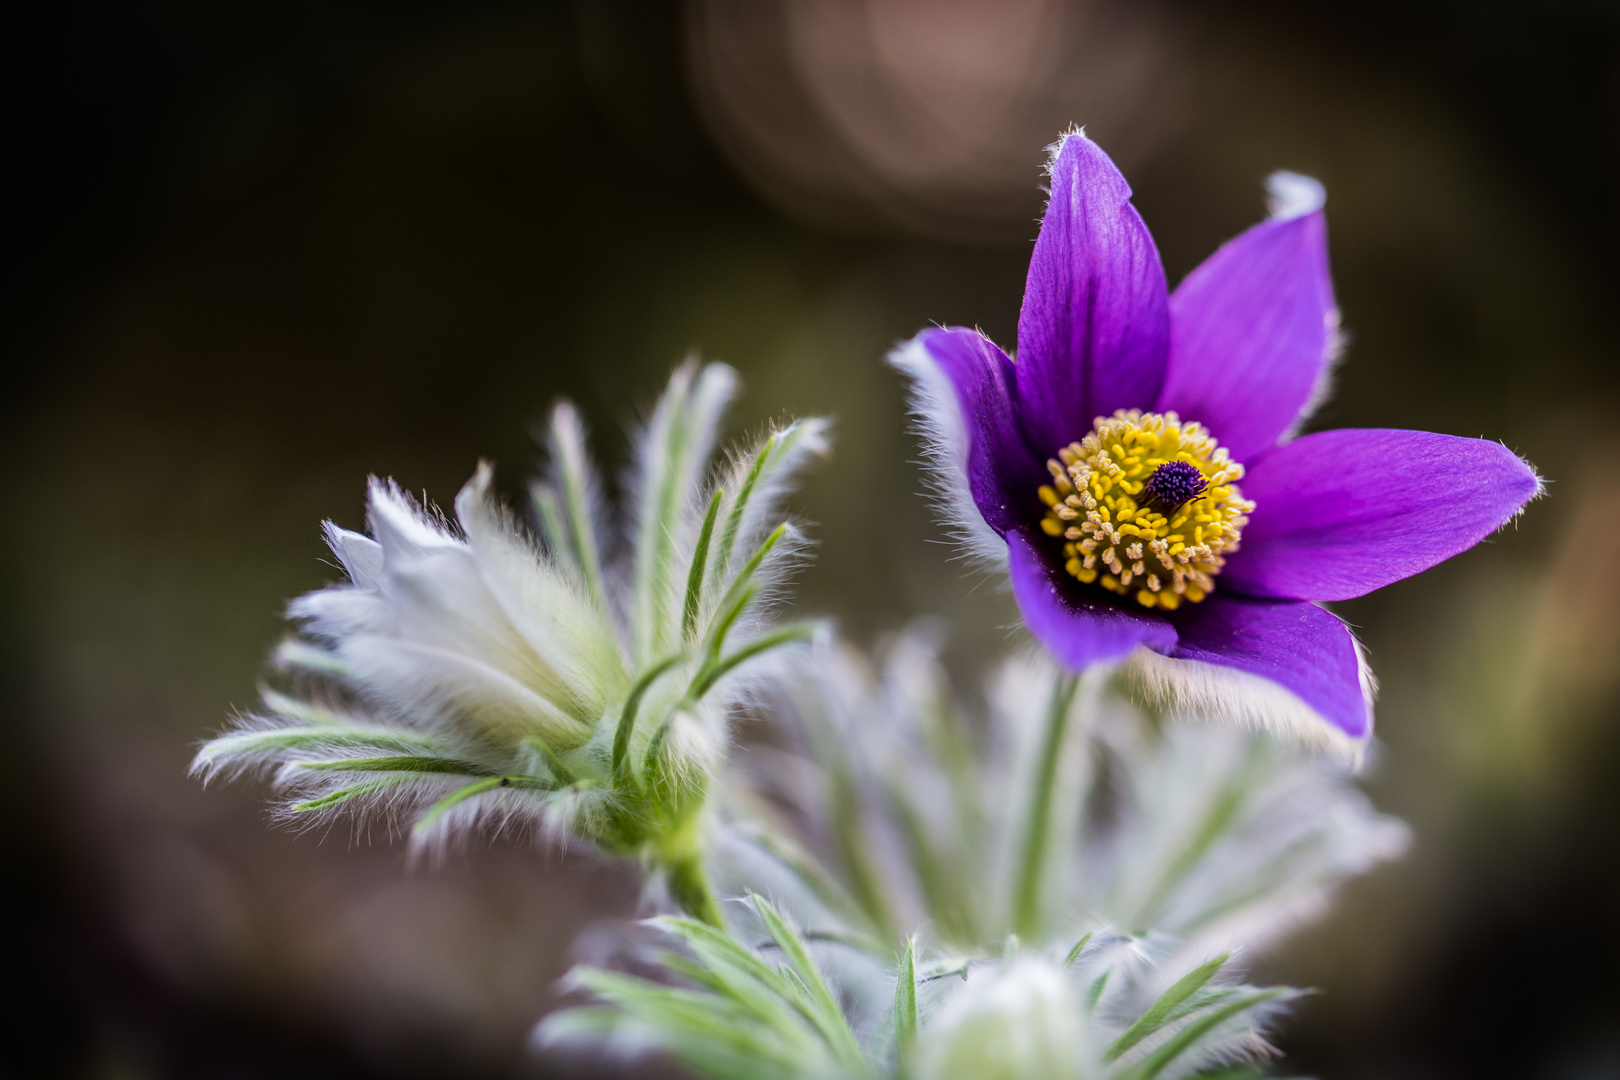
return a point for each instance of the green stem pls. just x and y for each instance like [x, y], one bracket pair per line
[690, 889]
[1032, 864]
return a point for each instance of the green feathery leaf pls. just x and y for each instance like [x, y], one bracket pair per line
[342, 795]
[1160, 1010]
[905, 1002]
[407, 763]
[478, 787]
[828, 1016]
[573, 474]
[554, 527]
[627, 718]
[1162, 1056]
[739, 593]
[1094, 992]
[728, 539]
[700, 564]
[541, 749]
[677, 441]
[714, 672]
[245, 743]
[1079, 947]
[711, 1032]
[737, 970]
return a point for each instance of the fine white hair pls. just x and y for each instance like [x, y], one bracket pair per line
[946, 442]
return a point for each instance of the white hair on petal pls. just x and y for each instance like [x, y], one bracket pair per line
[1541, 484]
[1338, 339]
[666, 484]
[1368, 681]
[1195, 689]
[937, 418]
[340, 611]
[549, 820]
[674, 446]
[1053, 150]
[361, 556]
[298, 656]
[391, 802]
[441, 688]
[471, 679]
[401, 525]
[547, 607]
[567, 443]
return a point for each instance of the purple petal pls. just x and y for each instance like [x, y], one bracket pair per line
[1251, 332]
[1003, 474]
[1299, 646]
[1095, 328]
[1076, 631]
[1341, 513]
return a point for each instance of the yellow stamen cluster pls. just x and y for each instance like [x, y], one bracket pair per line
[1161, 554]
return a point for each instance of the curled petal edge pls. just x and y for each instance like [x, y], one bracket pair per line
[1195, 689]
[1291, 195]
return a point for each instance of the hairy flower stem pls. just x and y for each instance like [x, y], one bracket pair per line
[1032, 864]
[690, 889]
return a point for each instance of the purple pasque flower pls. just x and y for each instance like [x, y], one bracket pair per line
[1135, 469]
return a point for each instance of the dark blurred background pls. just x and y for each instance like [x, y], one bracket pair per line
[261, 251]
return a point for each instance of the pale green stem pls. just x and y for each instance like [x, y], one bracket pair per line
[690, 889]
[1031, 875]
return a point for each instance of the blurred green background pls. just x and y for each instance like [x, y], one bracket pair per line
[264, 250]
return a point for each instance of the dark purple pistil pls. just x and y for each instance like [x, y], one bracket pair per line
[1172, 484]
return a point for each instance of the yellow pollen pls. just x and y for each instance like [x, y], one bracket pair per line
[1160, 555]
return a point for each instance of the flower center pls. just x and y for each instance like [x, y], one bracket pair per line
[1146, 505]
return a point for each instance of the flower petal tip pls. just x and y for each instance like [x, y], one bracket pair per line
[1292, 195]
[400, 524]
[478, 485]
[1532, 482]
[1193, 689]
[1054, 149]
[1343, 512]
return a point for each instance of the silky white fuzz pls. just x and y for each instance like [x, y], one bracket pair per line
[665, 482]
[569, 502]
[946, 442]
[902, 811]
[762, 1002]
[1192, 689]
[470, 678]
